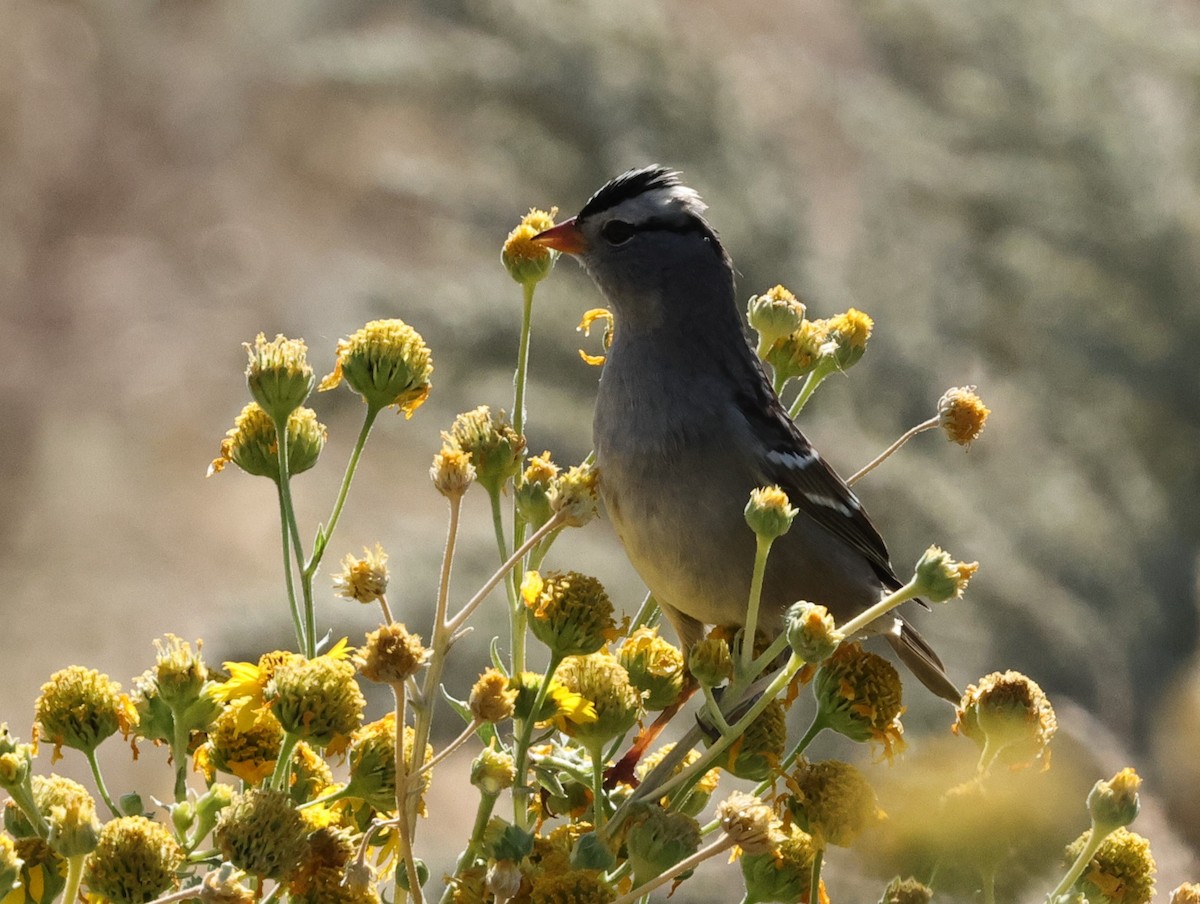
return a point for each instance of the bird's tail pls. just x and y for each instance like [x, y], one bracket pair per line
[916, 653]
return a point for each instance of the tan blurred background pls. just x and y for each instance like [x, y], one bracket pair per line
[1010, 190]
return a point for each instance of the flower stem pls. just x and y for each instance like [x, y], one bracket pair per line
[283, 764]
[483, 815]
[405, 828]
[288, 509]
[287, 569]
[723, 843]
[756, 583]
[596, 752]
[894, 447]
[880, 609]
[521, 791]
[451, 747]
[521, 375]
[811, 382]
[1099, 833]
[100, 786]
[311, 566]
[714, 710]
[814, 888]
[74, 876]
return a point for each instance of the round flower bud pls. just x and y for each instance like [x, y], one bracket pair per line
[769, 513]
[1009, 716]
[249, 751]
[655, 667]
[387, 363]
[528, 262]
[600, 679]
[940, 578]
[492, 699]
[262, 833]
[1115, 802]
[16, 761]
[452, 472]
[69, 813]
[493, 771]
[134, 861]
[658, 839]
[365, 579]
[80, 707]
[391, 655]
[830, 800]
[253, 446]
[10, 866]
[1188, 893]
[860, 696]
[278, 375]
[705, 786]
[906, 891]
[316, 700]
[784, 874]
[533, 490]
[811, 631]
[1120, 872]
[797, 354]
[569, 612]
[760, 748]
[849, 332]
[503, 880]
[179, 672]
[710, 661]
[962, 415]
[773, 315]
[495, 447]
[575, 495]
[576, 886]
[750, 823]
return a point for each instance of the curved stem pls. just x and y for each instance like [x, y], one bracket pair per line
[811, 382]
[521, 791]
[100, 786]
[284, 522]
[1099, 833]
[887, 453]
[451, 747]
[714, 710]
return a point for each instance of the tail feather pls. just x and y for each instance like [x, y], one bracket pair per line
[916, 653]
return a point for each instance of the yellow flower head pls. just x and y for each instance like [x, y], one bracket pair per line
[10, 866]
[253, 445]
[585, 327]
[710, 660]
[317, 700]
[812, 632]
[135, 860]
[600, 679]
[1009, 716]
[848, 334]
[365, 579]
[373, 764]
[533, 490]
[492, 698]
[1120, 872]
[569, 612]
[493, 771]
[179, 671]
[310, 776]
[750, 823]
[940, 578]
[773, 315]
[80, 707]
[495, 447]
[784, 874]
[452, 472]
[278, 375]
[529, 263]
[655, 667]
[830, 800]
[962, 414]
[1115, 802]
[387, 363]
[769, 513]
[562, 705]
[574, 494]
[756, 754]
[248, 753]
[797, 353]
[247, 681]
[391, 655]
[16, 760]
[860, 696]
[69, 811]
[262, 833]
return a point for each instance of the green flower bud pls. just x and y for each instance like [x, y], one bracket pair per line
[278, 375]
[710, 661]
[773, 315]
[16, 761]
[175, 692]
[1009, 716]
[135, 861]
[533, 490]
[179, 672]
[262, 833]
[849, 333]
[317, 700]
[756, 754]
[569, 612]
[495, 447]
[493, 771]
[939, 578]
[1120, 872]
[599, 678]
[658, 839]
[811, 631]
[769, 513]
[79, 708]
[529, 263]
[655, 667]
[252, 443]
[782, 875]
[1115, 802]
[797, 354]
[830, 800]
[387, 363]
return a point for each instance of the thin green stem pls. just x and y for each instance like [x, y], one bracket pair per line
[283, 765]
[301, 644]
[714, 710]
[1099, 833]
[326, 533]
[814, 888]
[99, 779]
[723, 843]
[779, 383]
[483, 815]
[451, 747]
[521, 791]
[74, 876]
[179, 752]
[746, 657]
[814, 379]
[522, 373]
[288, 509]
[883, 607]
[596, 752]
[815, 728]
[890, 450]
[403, 771]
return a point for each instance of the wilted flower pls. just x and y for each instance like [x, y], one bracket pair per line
[253, 445]
[134, 861]
[830, 800]
[760, 748]
[533, 490]
[600, 679]
[859, 695]
[574, 495]
[811, 631]
[576, 886]
[69, 811]
[493, 771]
[391, 655]
[365, 579]
[906, 891]
[797, 354]
[80, 707]
[962, 414]
[658, 839]
[387, 363]
[1009, 716]
[940, 578]
[262, 833]
[247, 752]
[317, 700]
[452, 472]
[710, 661]
[495, 447]
[373, 764]
[570, 612]
[750, 823]
[1188, 893]
[492, 698]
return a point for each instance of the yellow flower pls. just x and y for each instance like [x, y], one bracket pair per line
[830, 800]
[493, 771]
[1009, 716]
[387, 363]
[655, 667]
[452, 472]
[248, 753]
[773, 315]
[575, 495]
[600, 679]
[134, 861]
[1120, 872]
[710, 661]
[244, 687]
[797, 354]
[848, 333]
[527, 262]
[859, 695]
[365, 579]
[962, 414]
[585, 327]
[492, 699]
[495, 447]
[10, 866]
[391, 655]
[278, 375]
[317, 700]
[252, 443]
[563, 706]
[769, 513]
[569, 612]
[80, 707]
[1115, 802]
[940, 578]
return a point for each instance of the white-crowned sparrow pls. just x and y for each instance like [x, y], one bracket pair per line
[687, 424]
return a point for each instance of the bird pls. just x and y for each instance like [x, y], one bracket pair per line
[687, 424]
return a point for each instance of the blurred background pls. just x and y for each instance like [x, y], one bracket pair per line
[1011, 190]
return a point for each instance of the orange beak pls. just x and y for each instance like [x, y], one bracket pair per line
[564, 237]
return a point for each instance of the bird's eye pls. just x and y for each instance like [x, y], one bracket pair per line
[617, 232]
